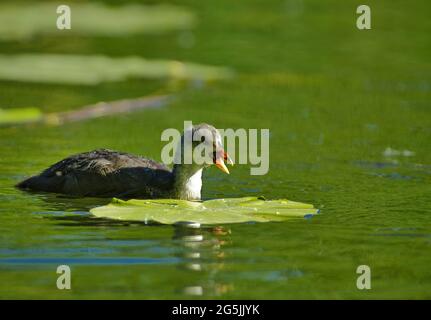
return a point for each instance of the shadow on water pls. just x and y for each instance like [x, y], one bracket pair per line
[61, 202]
[87, 220]
[75, 211]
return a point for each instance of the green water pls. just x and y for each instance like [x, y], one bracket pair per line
[334, 98]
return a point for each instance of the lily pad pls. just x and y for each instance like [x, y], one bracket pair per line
[92, 70]
[217, 211]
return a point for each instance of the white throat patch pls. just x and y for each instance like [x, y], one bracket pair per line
[193, 186]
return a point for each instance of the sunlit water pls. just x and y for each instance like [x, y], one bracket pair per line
[334, 100]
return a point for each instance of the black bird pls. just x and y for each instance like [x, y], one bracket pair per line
[107, 173]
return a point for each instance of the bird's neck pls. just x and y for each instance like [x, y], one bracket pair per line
[187, 182]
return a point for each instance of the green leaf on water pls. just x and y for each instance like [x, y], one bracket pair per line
[92, 70]
[209, 212]
[19, 115]
[22, 21]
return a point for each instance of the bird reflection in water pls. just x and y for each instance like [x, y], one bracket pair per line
[202, 250]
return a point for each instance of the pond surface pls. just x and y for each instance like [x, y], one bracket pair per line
[334, 98]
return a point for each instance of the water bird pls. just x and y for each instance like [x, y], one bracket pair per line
[108, 173]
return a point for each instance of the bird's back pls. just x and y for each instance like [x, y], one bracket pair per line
[104, 173]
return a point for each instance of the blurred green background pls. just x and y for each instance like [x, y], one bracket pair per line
[350, 124]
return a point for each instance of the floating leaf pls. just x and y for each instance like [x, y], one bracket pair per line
[218, 211]
[92, 70]
[21, 21]
[19, 115]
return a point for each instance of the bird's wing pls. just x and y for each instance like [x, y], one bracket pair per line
[100, 162]
[101, 172]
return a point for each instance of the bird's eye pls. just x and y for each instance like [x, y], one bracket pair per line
[202, 138]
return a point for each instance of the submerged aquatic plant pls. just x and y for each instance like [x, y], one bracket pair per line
[22, 21]
[16, 116]
[95, 69]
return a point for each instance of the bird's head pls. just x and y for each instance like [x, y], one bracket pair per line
[204, 144]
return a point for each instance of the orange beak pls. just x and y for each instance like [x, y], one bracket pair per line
[222, 156]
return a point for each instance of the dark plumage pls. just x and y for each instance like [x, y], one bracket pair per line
[104, 173]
